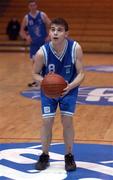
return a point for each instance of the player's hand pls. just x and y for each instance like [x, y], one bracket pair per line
[66, 90]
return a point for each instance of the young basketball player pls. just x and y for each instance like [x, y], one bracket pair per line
[37, 23]
[62, 56]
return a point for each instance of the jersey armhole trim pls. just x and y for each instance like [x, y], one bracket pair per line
[74, 52]
[45, 55]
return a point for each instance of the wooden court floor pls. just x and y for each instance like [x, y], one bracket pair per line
[20, 118]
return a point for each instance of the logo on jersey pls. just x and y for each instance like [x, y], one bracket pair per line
[93, 162]
[86, 95]
[100, 68]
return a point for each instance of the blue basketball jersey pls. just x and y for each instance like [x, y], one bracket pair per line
[37, 29]
[63, 64]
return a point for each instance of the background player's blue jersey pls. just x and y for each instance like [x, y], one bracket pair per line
[63, 64]
[37, 29]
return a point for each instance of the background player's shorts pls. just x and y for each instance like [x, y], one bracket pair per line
[33, 50]
[67, 104]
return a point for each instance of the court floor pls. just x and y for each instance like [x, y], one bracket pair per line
[20, 122]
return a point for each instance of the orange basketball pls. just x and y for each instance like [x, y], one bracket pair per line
[52, 85]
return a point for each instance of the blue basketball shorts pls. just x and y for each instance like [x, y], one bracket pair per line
[66, 104]
[33, 50]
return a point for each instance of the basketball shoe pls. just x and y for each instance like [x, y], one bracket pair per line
[43, 162]
[70, 164]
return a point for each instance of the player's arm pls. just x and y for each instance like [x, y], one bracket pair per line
[47, 22]
[38, 65]
[23, 32]
[79, 67]
[80, 70]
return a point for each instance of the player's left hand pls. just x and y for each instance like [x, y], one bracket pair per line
[66, 90]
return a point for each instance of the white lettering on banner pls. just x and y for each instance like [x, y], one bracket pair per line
[97, 94]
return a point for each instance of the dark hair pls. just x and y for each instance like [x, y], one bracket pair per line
[60, 21]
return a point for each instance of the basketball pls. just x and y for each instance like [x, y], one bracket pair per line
[52, 85]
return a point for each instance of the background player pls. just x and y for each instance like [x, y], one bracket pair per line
[37, 23]
[62, 56]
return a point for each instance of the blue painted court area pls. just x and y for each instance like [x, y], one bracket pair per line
[100, 68]
[94, 162]
[102, 96]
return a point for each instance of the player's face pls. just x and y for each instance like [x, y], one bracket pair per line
[32, 6]
[57, 33]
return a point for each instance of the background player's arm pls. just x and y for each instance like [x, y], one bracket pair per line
[80, 70]
[23, 32]
[38, 65]
[47, 22]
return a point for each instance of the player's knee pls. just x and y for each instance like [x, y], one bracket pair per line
[48, 123]
[67, 122]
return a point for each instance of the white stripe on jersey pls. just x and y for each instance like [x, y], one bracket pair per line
[73, 52]
[45, 55]
[60, 57]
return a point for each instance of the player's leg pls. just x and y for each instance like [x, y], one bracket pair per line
[46, 133]
[33, 50]
[48, 112]
[46, 137]
[67, 107]
[68, 132]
